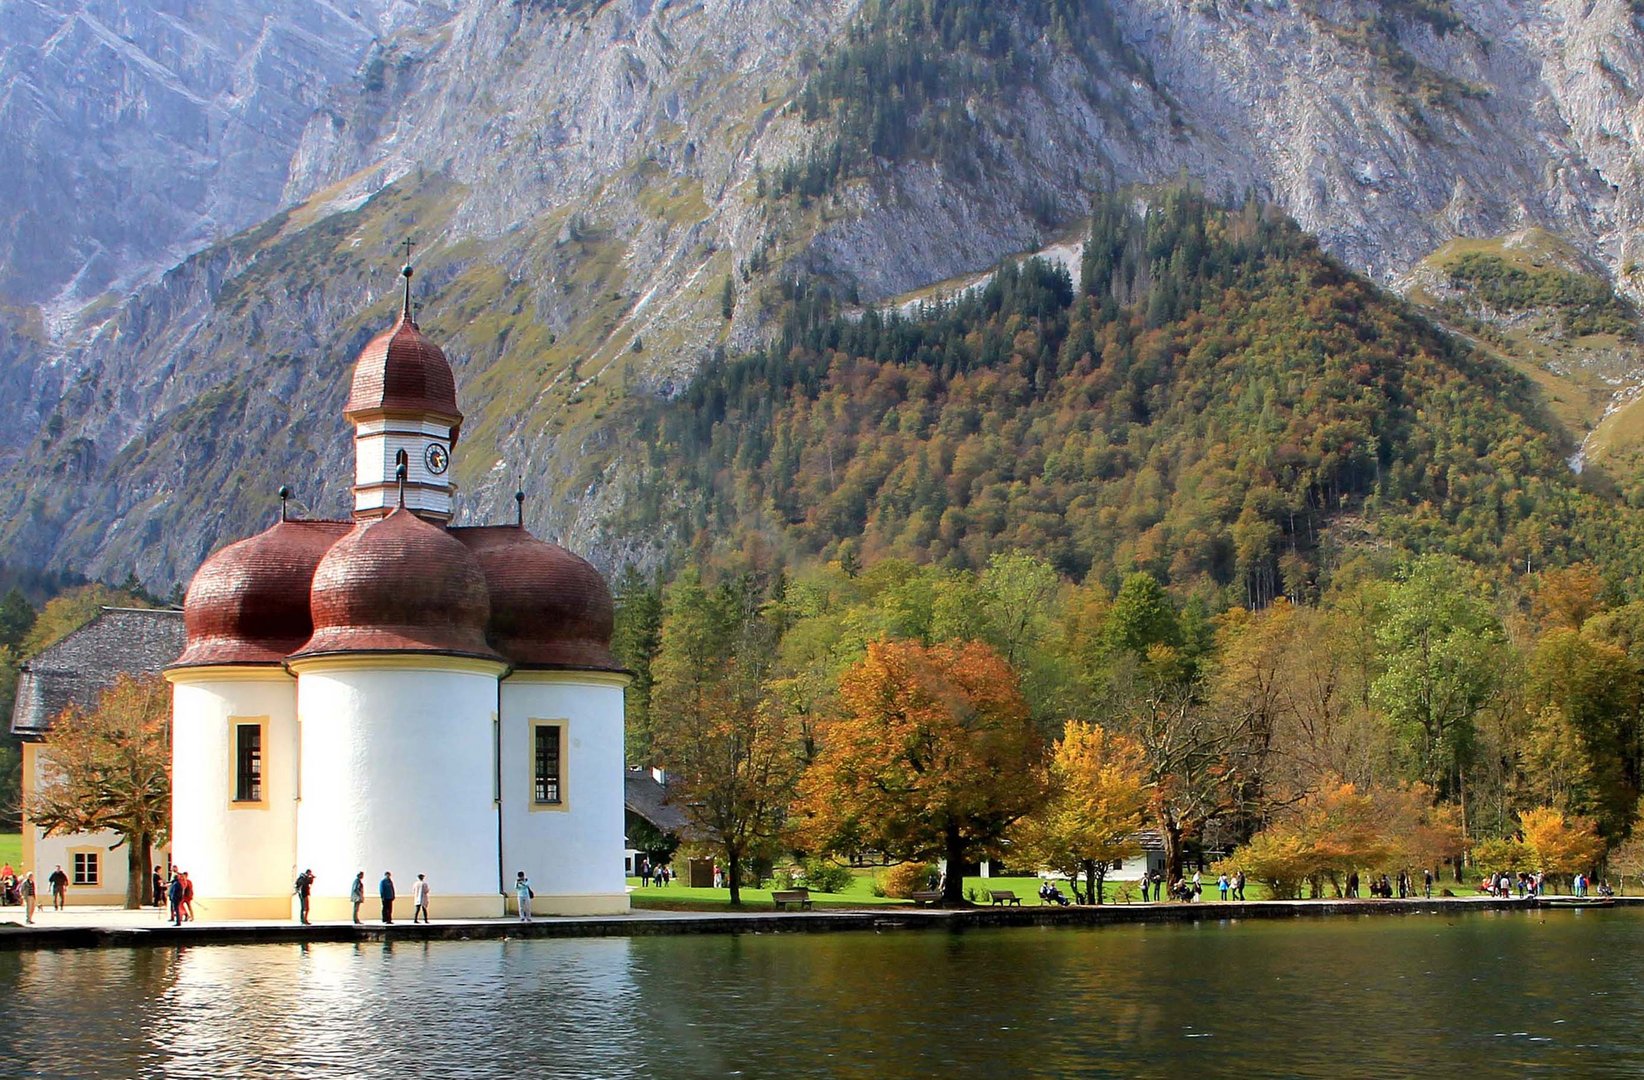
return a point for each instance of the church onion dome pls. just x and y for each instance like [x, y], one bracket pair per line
[401, 372]
[399, 585]
[248, 603]
[549, 609]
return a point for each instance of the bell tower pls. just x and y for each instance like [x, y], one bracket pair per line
[403, 405]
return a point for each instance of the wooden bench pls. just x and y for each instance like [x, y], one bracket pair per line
[781, 899]
[1004, 896]
[926, 897]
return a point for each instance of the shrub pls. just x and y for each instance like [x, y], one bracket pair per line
[904, 879]
[824, 875]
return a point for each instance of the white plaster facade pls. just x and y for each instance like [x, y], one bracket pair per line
[566, 848]
[237, 851]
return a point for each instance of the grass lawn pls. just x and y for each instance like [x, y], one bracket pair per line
[11, 849]
[680, 897]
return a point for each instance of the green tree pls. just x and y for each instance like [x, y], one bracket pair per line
[1142, 616]
[65, 614]
[730, 753]
[635, 638]
[1441, 649]
[16, 619]
[1584, 755]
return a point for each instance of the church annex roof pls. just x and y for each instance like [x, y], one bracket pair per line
[135, 641]
[646, 797]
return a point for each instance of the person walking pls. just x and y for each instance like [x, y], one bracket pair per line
[522, 891]
[28, 894]
[1427, 882]
[305, 885]
[159, 888]
[419, 897]
[1222, 884]
[1238, 885]
[59, 888]
[356, 894]
[385, 892]
[188, 896]
[174, 892]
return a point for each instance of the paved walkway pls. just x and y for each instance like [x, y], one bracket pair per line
[116, 927]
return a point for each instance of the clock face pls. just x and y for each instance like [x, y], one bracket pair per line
[436, 458]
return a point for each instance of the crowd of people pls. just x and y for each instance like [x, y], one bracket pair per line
[661, 874]
[1528, 886]
[1189, 888]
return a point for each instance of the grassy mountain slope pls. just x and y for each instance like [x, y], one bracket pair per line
[1531, 300]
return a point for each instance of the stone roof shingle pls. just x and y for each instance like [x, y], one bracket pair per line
[137, 641]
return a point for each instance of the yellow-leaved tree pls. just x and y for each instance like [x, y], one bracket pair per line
[1560, 846]
[1329, 833]
[1097, 801]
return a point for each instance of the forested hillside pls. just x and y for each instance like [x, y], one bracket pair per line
[1217, 403]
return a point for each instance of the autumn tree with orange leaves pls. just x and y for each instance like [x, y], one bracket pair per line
[933, 755]
[109, 768]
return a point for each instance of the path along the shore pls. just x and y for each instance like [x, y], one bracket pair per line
[109, 927]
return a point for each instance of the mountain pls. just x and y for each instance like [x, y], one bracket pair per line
[594, 185]
[139, 133]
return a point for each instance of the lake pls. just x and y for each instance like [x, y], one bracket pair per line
[1479, 994]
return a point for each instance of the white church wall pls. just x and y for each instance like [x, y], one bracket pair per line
[398, 773]
[238, 846]
[572, 850]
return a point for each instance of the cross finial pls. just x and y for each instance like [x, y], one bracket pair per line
[406, 272]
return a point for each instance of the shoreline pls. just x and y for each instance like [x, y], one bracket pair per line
[120, 930]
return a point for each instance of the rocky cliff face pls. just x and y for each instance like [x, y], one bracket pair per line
[135, 134]
[585, 178]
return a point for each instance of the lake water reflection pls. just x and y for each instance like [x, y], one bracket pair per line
[1511, 994]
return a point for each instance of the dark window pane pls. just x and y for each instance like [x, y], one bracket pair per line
[248, 762]
[547, 764]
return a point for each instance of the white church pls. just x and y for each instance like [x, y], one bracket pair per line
[395, 693]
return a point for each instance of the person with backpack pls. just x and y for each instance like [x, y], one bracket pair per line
[174, 892]
[523, 893]
[304, 885]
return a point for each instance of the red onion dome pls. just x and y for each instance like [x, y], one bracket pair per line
[248, 603]
[401, 371]
[399, 585]
[549, 608]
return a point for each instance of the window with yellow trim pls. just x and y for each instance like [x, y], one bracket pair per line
[547, 764]
[87, 869]
[248, 762]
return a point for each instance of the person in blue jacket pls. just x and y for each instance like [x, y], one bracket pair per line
[385, 889]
